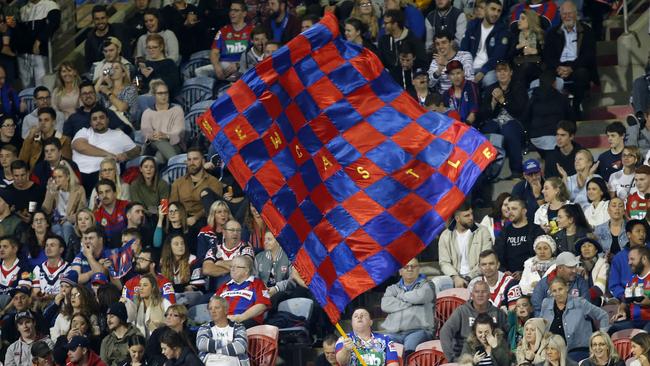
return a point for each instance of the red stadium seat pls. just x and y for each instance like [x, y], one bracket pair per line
[626, 333]
[623, 347]
[263, 345]
[426, 357]
[444, 307]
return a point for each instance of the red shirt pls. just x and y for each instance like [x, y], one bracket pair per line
[242, 296]
[132, 287]
[113, 223]
[635, 206]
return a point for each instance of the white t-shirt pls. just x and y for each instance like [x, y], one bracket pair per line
[622, 184]
[463, 245]
[481, 54]
[113, 141]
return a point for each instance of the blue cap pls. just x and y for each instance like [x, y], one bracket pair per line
[71, 278]
[532, 166]
[77, 341]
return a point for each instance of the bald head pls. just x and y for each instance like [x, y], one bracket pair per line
[569, 14]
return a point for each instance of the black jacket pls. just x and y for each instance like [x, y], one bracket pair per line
[389, 48]
[554, 44]
[566, 161]
[187, 358]
[545, 109]
[516, 101]
[94, 46]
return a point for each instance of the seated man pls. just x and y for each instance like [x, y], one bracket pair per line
[498, 281]
[80, 353]
[13, 268]
[115, 346]
[92, 256]
[9, 222]
[91, 145]
[52, 157]
[20, 350]
[397, 36]
[218, 259]
[112, 53]
[24, 192]
[32, 149]
[566, 269]
[42, 99]
[42, 354]
[374, 348]
[328, 357]
[564, 154]
[446, 52]
[462, 96]
[247, 295]
[222, 339]
[459, 325]
[21, 300]
[8, 154]
[409, 307]
[46, 277]
[570, 50]
[146, 262]
[633, 312]
[620, 272]
[255, 54]
[110, 214]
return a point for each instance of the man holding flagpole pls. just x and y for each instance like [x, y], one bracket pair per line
[375, 349]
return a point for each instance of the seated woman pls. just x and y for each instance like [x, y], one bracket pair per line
[65, 95]
[602, 351]
[621, 183]
[566, 318]
[148, 308]
[498, 219]
[527, 53]
[64, 197]
[148, 188]
[573, 225]
[163, 125]
[611, 234]
[594, 266]
[555, 196]
[536, 267]
[79, 325]
[152, 21]
[175, 320]
[598, 198]
[157, 66]
[212, 234]
[486, 344]
[108, 169]
[8, 135]
[179, 266]
[556, 353]
[116, 91]
[532, 348]
[177, 352]
[34, 238]
[641, 349]
[577, 183]
[176, 224]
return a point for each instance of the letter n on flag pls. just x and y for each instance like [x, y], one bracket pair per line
[351, 174]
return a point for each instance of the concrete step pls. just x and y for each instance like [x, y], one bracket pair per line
[608, 112]
[618, 78]
[599, 99]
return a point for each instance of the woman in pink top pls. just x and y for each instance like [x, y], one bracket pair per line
[164, 125]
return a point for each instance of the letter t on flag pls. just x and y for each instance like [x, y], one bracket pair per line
[352, 176]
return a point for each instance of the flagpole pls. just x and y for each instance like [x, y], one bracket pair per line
[345, 336]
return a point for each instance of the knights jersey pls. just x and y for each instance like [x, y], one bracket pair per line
[221, 253]
[47, 278]
[112, 223]
[132, 287]
[242, 296]
[498, 291]
[231, 43]
[638, 312]
[635, 206]
[379, 350]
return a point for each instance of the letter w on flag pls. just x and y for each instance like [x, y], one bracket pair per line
[351, 175]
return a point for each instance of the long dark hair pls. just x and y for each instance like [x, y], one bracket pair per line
[574, 211]
[33, 246]
[496, 207]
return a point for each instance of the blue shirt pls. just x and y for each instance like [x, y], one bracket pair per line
[570, 51]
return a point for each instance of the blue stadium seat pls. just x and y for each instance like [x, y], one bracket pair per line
[173, 172]
[189, 67]
[199, 314]
[136, 161]
[177, 160]
[27, 95]
[189, 298]
[192, 131]
[195, 90]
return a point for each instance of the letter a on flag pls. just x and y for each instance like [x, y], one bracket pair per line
[352, 176]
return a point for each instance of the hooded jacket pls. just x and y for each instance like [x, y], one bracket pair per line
[449, 256]
[540, 343]
[500, 355]
[93, 360]
[459, 326]
[115, 349]
[409, 307]
[19, 353]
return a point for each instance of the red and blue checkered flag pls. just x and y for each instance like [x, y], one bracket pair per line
[351, 174]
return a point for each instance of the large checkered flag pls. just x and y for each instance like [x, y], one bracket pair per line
[351, 174]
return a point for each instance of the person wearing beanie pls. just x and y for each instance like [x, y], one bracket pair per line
[532, 349]
[535, 267]
[115, 347]
[594, 263]
[80, 354]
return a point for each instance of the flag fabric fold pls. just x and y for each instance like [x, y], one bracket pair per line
[352, 176]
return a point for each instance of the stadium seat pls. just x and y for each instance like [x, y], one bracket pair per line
[192, 130]
[263, 345]
[426, 357]
[462, 293]
[435, 344]
[27, 96]
[177, 159]
[135, 162]
[173, 172]
[297, 337]
[195, 90]
[399, 348]
[199, 314]
[189, 67]
[445, 305]
[623, 347]
[189, 298]
[626, 334]
[442, 283]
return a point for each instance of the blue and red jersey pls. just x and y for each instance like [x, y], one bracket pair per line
[132, 287]
[638, 312]
[242, 296]
[113, 223]
[468, 101]
[232, 43]
[379, 350]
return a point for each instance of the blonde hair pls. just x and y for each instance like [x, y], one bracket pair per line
[213, 211]
[59, 84]
[155, 84]
[65, 168]
[116, 174]
[611, 350]
[534, 25]
[371, 21]
[76, 217]
[126, 78]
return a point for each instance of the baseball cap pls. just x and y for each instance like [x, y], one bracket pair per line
[421, 71]
[24, 315]
[40, 349]
[77, 341]
[22, 289]
[98, 279]
[453, 65]
[566, 259]
[113, 40]
[532, 166]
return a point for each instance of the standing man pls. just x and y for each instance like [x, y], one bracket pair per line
[283, 25]
[390, 44]
[515, 244]
[459, 247]
[565, 150]
[487, 40]
[375, 348]
[229, 43]
[39, 20]
[409, 305]
[188, 189]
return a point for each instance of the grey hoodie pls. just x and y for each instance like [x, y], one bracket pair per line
[409, 308]
[459, 326]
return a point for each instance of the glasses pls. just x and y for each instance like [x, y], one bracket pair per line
[599, 344]
[365, 5]
[44, 98]
[152, 47]
[143, 259]
[173, 211]
[107, 170]
[9, 125]
[234, 230]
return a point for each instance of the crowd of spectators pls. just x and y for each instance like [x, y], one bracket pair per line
[96, 248]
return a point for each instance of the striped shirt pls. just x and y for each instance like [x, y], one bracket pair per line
[442, 83]
[210, 340]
